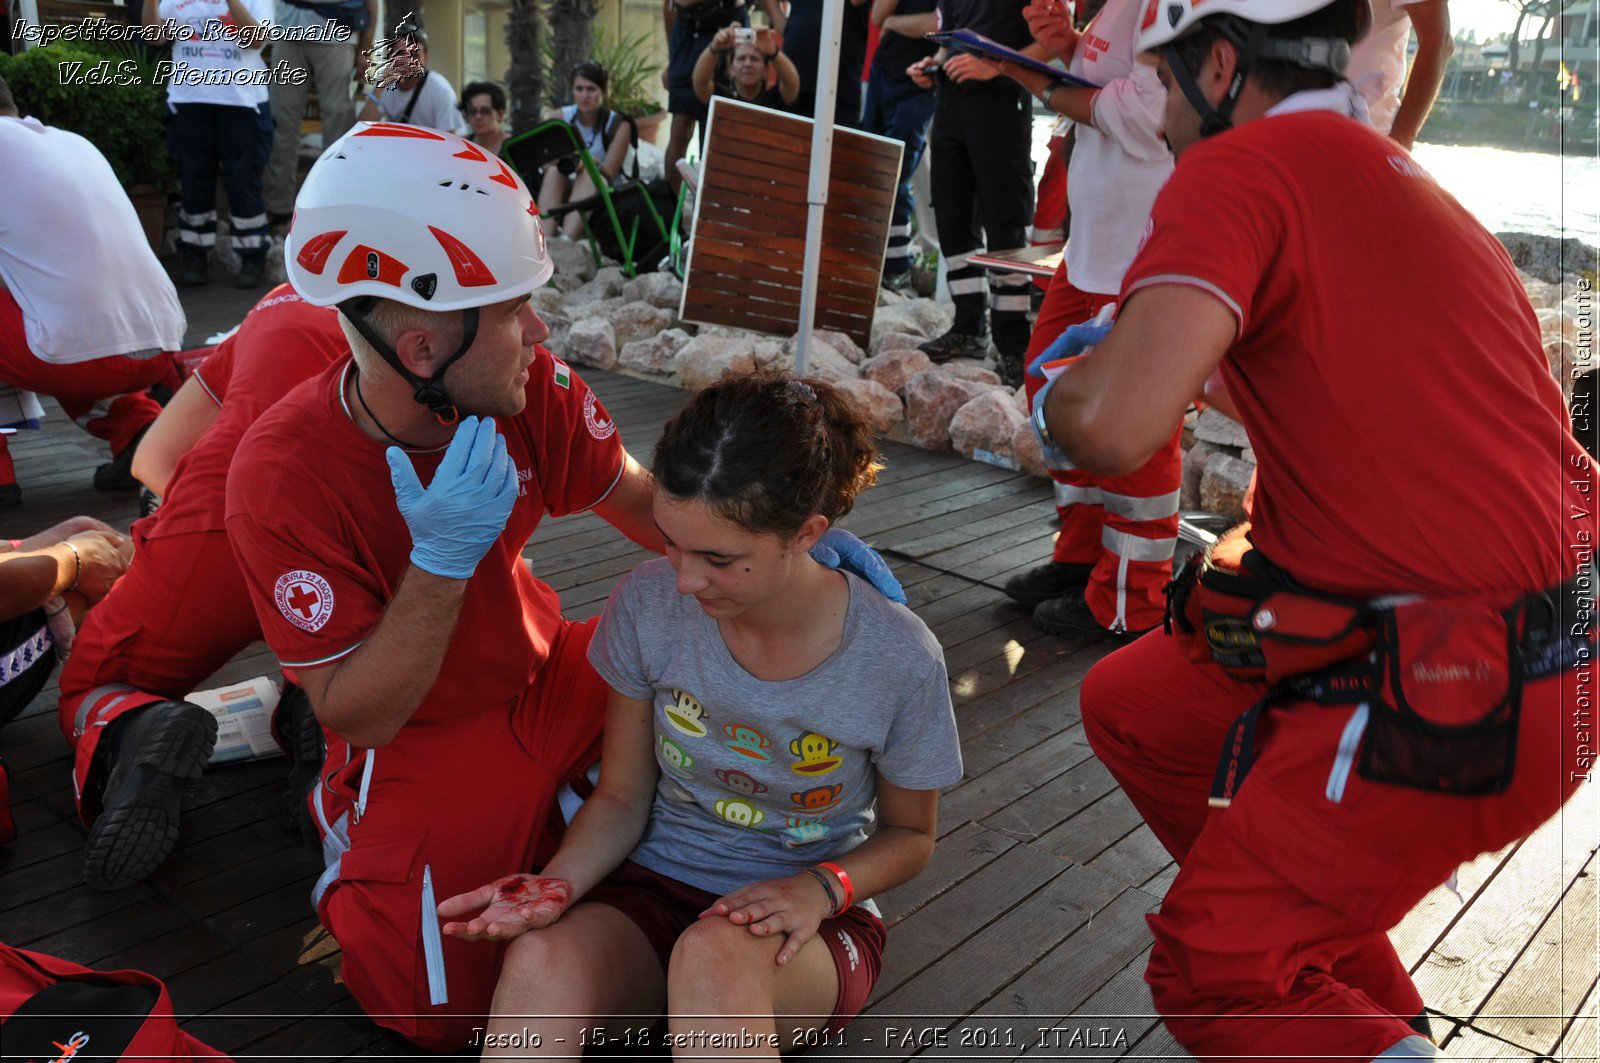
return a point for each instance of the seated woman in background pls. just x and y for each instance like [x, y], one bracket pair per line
[605, 134]
[484, 104]
[744, 75]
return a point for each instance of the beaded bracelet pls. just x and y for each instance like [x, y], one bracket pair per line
[77, 571]
[827, 887]
[844, 880]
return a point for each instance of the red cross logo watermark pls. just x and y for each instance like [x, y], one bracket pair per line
[304, 598]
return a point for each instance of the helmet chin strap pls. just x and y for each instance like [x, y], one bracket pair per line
[1247, 44]
[430, 391]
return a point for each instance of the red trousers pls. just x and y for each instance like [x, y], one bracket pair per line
[1050, 203]
[179, 613]
[1125, 526]
[105, 396]
[470, 799]
[1273, 938]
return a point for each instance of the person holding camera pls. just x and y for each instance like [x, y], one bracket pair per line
[898, 107]
[691, 26]
[735, 65]
[605, 134]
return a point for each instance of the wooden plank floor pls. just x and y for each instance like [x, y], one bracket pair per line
[1030, 917]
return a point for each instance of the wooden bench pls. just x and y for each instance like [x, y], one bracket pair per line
[749, 232]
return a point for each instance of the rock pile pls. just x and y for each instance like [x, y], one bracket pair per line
[600, 318]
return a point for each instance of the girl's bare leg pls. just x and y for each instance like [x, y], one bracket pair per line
[557, 982]
[552, 193]
[723, 980]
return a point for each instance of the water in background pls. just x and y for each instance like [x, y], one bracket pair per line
[1518, 191]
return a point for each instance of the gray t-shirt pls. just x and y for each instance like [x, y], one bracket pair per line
[761, 779]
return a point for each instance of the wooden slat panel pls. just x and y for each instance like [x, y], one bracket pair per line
[750, 225]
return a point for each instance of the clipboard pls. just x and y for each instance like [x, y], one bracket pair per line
[991, 49]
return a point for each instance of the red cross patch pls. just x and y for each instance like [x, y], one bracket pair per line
[304, 598]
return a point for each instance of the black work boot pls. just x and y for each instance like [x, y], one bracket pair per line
[301, 737]
[153, 755]
[1069, 617]
[1050, 580]
[955, 344]
[117, 474]
[193, 271]
[1009, 366]
[250, 270]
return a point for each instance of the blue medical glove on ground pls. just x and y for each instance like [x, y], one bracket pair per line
[463, 511]
[838, 549]
[1072, 342]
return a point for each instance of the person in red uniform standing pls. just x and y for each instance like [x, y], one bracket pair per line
[1272, 939]
[180, 613]
[455, 698]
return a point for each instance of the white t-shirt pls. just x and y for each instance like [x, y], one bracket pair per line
[73, 254]
[1378, 61]
[436, 107]
[1120, 162]
[213, 52]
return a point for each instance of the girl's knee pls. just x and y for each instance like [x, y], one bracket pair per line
[720, 950]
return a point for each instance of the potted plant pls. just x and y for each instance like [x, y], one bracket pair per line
[113, 100]
[635, 80]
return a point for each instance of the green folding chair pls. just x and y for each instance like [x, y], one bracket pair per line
[529, 153]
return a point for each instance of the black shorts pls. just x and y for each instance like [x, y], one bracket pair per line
[27, 658]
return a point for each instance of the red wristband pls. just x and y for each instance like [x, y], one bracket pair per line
[844, 880]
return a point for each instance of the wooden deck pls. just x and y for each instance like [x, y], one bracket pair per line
[1029, 917]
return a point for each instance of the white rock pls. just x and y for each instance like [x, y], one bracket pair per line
[1224, 485]
[705, 360]
[639, 320]
[598, 308]
[592, 341]
[822, 361]
[1194, 467]
[988, 423]
[655, 354]
[548, 300]
[1554, 321]
[658, 289]
[606, 284]
[1541, 293]
[1028, 451]
[1020, 399]
[843, 344]
[566, 282]
[1563, 356]
[932, 399]
[884, 342]
[895, 366]
[560, 326]
[971, 369]
[769, 353]
[572, 258]
[1216, 427]
[888, 298]
[880, 406]
[920, 317]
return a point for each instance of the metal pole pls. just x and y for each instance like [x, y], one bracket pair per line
[821, 166]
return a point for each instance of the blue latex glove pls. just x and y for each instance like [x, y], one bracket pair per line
[1072, 342]
[463, 511]
[838, 549]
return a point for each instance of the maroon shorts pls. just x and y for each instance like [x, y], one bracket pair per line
[664, 908]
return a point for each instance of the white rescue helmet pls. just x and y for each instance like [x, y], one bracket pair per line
[1244, 23]
[415, 215]
[1165, 21]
